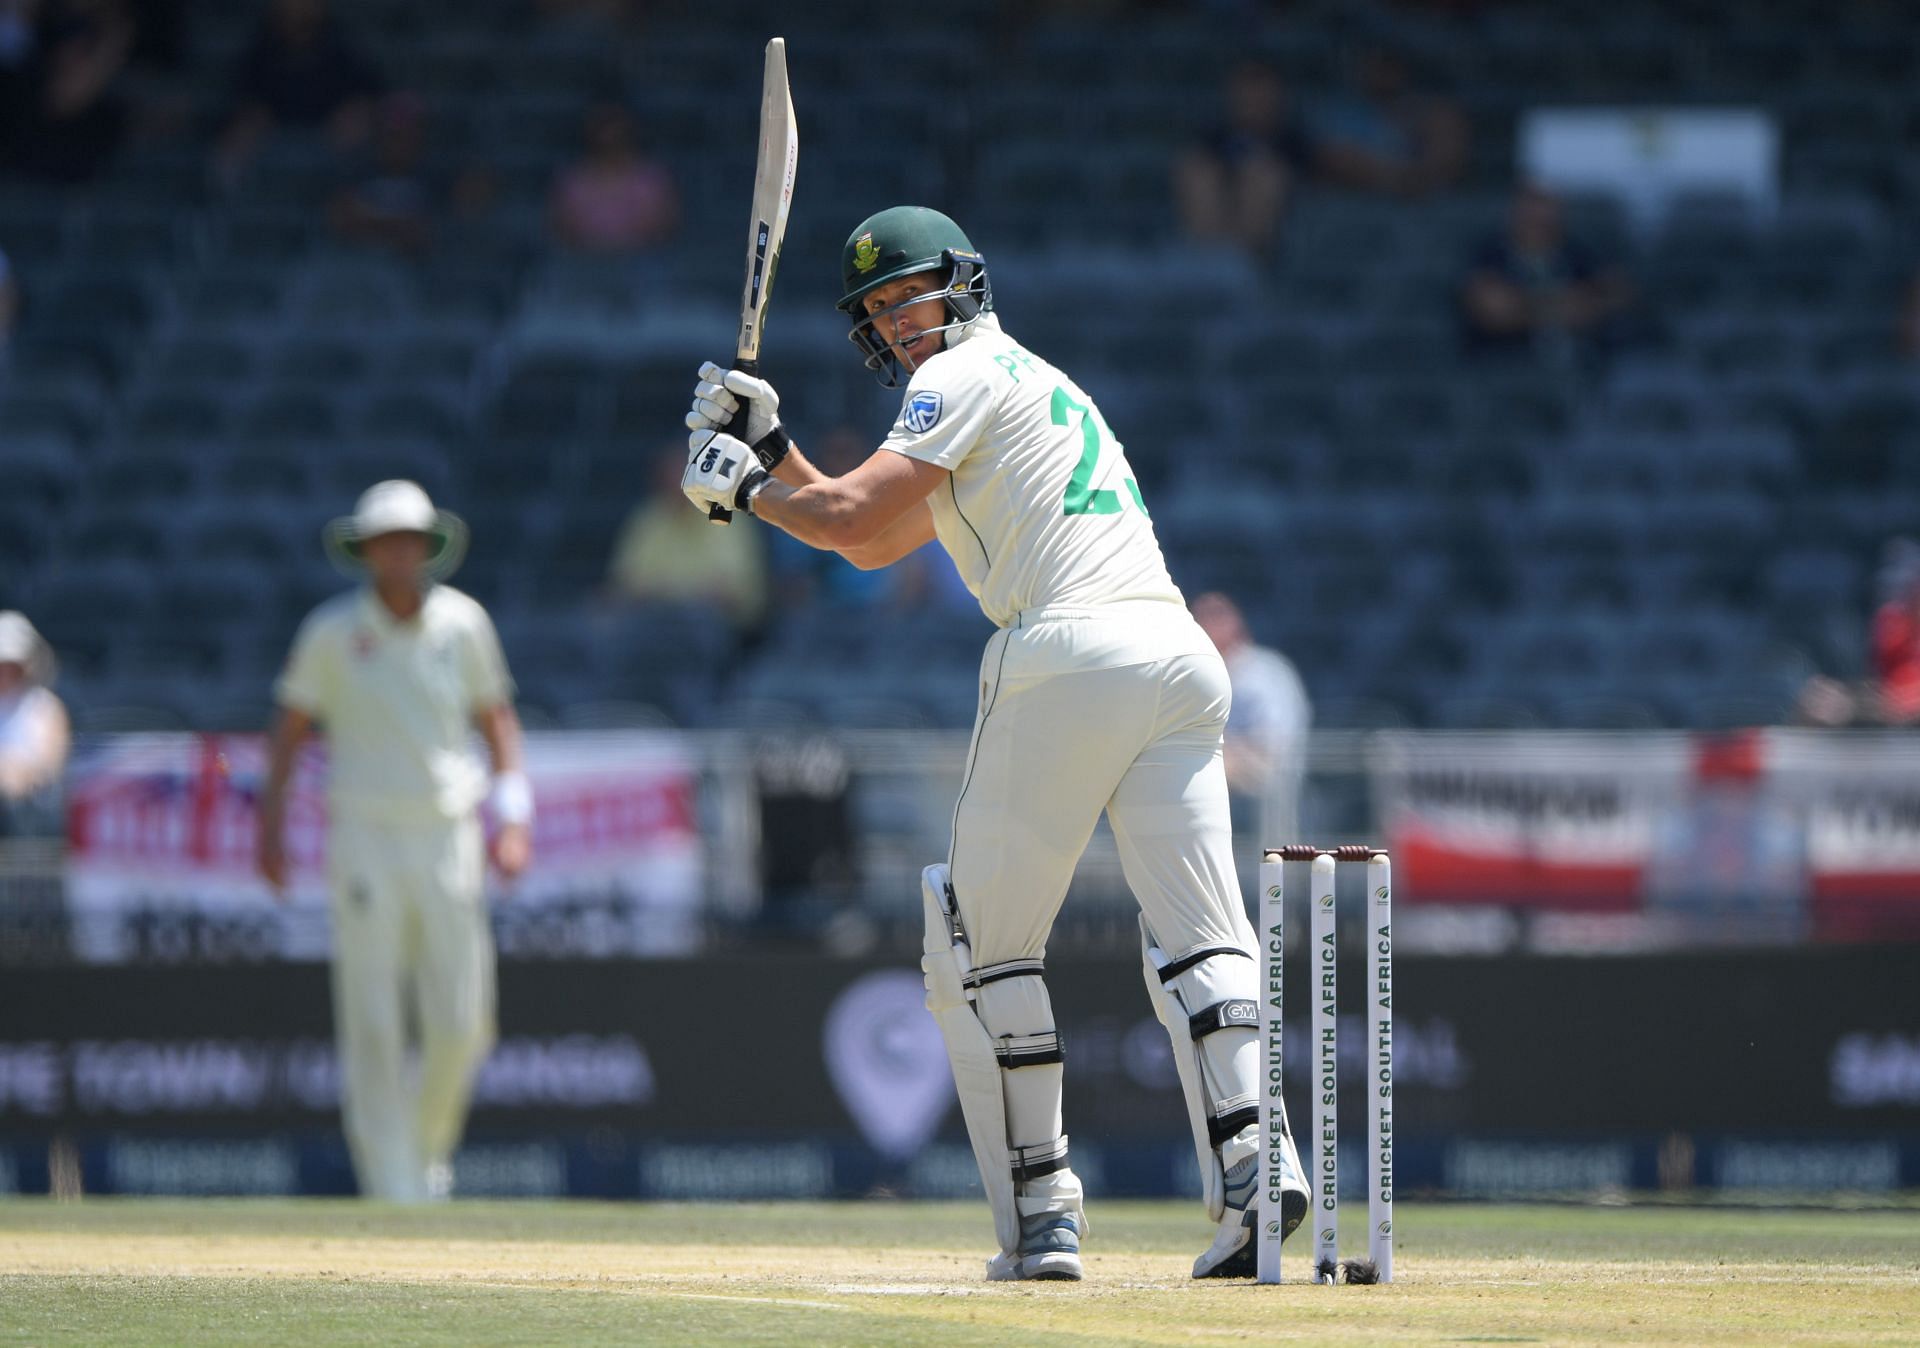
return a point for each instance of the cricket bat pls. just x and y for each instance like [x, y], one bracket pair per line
[772, 199]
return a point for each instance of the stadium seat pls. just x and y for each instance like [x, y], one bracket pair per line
[193, 352]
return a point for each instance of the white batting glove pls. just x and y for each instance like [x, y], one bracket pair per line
[717, 398]
[720, 472]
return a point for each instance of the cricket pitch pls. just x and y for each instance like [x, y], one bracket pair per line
[319, 1271]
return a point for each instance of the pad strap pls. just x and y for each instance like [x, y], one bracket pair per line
[1174, 968]
[1043, 1158]
[1029, 1050]
[1237, 1014]
[993, 973]
[1231, 1118]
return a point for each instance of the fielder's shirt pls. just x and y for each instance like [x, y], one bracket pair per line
[1042, 509]
[398, 700]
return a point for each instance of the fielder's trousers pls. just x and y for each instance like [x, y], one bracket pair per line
[412, 951]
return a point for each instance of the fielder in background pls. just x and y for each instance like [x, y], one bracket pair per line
[1267, 730]
[34, 733]
[1099, 692]
[399, 672]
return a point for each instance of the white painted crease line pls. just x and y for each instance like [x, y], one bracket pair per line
[764, 1301]
[902, 1289]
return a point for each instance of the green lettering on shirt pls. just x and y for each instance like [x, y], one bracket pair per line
[1082, 497]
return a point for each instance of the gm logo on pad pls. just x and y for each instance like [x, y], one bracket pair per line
[923, 411]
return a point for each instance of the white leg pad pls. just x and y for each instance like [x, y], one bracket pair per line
[998, 1026]
[1207, 997]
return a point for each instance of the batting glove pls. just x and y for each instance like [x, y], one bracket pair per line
[720, 472]
[716, 401]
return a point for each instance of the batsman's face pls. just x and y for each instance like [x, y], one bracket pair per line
[396, 559]
[908, 328]
[13, 678]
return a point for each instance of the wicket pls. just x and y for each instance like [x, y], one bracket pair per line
[1321, 1149]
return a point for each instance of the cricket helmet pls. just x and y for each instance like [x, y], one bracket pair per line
[904, 241]
[397, 507]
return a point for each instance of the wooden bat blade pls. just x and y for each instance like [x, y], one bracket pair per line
[772, 197]
[767, 228]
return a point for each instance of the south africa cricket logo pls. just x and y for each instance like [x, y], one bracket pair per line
[865, 256]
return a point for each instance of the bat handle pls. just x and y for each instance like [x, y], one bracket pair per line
[737, 428]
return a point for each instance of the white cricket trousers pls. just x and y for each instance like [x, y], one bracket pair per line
[1118, 708]
[411, 948]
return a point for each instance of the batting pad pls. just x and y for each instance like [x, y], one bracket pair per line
[1207, 998]
[1008, 1083]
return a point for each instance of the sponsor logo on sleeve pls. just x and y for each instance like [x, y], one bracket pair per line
[923, 412]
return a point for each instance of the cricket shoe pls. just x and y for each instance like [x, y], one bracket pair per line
[1235, 1252]
[439, 1182]
[1049, 1251]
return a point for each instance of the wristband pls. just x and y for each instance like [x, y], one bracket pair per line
[512, 798]
[772, 447]
[750, 486]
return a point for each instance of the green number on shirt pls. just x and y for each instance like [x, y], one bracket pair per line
[1082, 498]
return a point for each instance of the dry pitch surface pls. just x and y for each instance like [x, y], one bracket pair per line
[307, 1272]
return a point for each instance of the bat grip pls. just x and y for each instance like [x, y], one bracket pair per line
[737, 428]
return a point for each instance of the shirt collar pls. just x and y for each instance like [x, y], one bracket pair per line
[381, 618]
[989, 322]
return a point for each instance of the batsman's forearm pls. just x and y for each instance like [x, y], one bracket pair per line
[796, 471]
[818, 513]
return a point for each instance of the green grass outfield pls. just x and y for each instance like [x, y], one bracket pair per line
[309, 1271]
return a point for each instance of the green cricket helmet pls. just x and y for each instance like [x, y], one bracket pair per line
[904, 241]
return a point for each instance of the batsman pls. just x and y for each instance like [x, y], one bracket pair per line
[1099, 692]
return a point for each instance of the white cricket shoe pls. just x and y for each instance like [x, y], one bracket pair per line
[1234, 1252]
[1049, 1251]
[439, 1182]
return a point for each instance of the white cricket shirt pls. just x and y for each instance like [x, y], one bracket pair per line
[398, 700]
[1042, 509]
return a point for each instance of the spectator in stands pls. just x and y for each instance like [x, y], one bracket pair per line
[1233, 185]
[301, 70]
[1387, 137]
[1896, 635]
[1531, 288]
[34, 735]
[1266, 740]
[66, 118]
[396, 203]
[1890, 694]
[614, 199]
[668, 554]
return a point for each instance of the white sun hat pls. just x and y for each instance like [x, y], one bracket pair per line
[21, 644]
[394, 507]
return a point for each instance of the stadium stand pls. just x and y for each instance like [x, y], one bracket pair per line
[202, 374]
